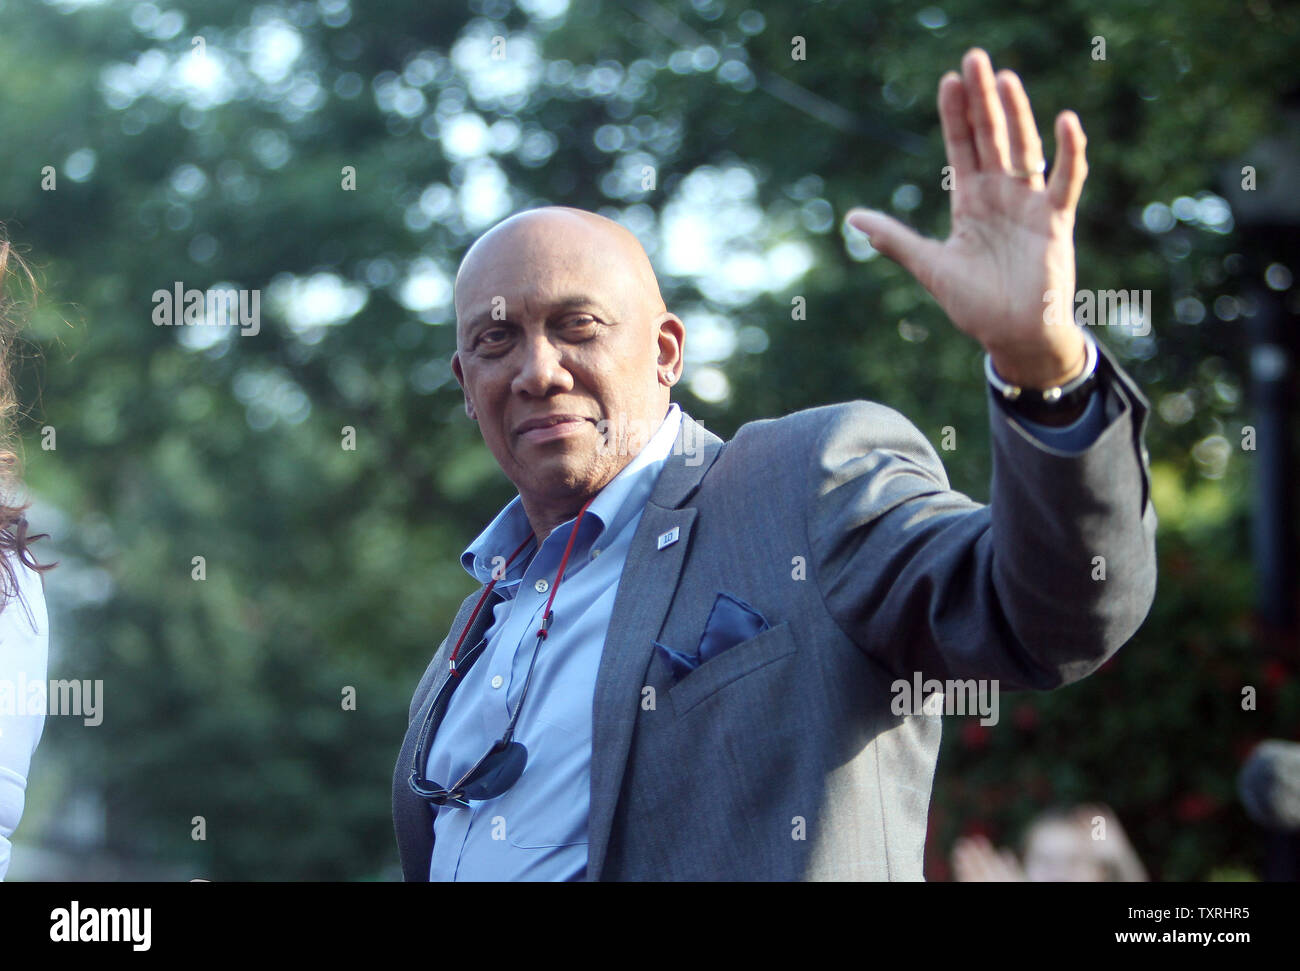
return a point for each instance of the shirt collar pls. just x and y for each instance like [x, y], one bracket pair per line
[614, 506]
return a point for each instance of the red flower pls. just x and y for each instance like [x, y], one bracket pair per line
[1275, 674]
[1194, 807]
[973, 734]
[936, 861]
[1026, 717]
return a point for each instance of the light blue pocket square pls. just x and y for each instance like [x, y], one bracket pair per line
[730, 622]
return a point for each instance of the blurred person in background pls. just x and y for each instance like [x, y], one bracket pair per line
[1085, 844]
[23, 632]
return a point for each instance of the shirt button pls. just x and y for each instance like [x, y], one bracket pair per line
[541, 586]
[498, 681]
[595, 553]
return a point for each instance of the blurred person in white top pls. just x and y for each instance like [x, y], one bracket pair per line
[22, 663]
[23, 632]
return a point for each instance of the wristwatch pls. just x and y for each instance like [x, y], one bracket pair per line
[1036, 404]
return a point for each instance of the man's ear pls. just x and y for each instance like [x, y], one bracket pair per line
[671, 339]
[460, 379]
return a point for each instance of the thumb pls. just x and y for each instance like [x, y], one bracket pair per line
[902, 244]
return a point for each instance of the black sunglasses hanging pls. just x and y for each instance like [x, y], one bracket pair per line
[504, 762]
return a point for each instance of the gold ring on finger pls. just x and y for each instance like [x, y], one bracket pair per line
[1030, 173]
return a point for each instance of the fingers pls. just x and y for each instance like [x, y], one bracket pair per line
[1070, 168]
[1010, 867]
[958, 139]
[985, 113]
[976, 860]
[970, 860]
[989, 116]
[902, 244]
[1026, 148]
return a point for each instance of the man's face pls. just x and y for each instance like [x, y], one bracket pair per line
[552, 323]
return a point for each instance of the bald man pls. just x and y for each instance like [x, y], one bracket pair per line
[695, 659]
[608, 351]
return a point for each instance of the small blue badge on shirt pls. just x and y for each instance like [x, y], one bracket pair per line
[669, 538]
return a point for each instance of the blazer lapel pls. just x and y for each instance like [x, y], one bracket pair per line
[654, 563]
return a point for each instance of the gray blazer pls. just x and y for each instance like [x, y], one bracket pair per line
[782, 758]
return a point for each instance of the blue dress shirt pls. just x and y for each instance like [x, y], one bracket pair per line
[537, 829]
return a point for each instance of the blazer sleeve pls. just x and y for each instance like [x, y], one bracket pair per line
[1037, 589]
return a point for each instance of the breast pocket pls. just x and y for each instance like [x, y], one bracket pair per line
[542, 841]
[736, 662]
[548, 808]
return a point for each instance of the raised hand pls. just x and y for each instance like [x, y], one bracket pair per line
[1011, 240]
[976, 860]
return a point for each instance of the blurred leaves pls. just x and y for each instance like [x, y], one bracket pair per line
[328, 568]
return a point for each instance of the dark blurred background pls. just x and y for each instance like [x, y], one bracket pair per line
[145, 143]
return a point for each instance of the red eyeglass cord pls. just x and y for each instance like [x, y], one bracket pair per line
[541, 631]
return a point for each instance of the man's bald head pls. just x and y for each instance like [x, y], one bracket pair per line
[562, 236]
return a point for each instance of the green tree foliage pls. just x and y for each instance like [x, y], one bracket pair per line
[210, 143]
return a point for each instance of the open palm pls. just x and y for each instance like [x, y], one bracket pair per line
[1011, 241]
